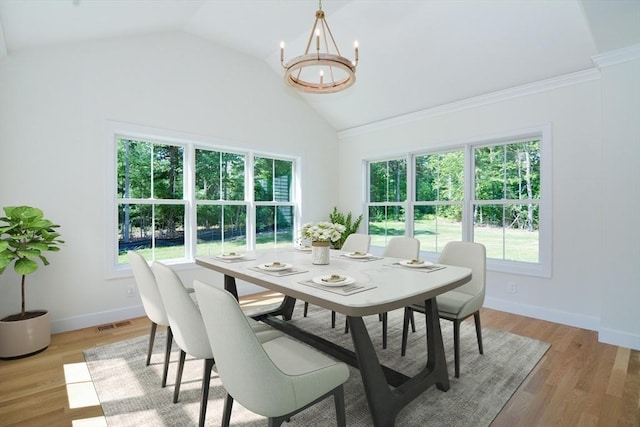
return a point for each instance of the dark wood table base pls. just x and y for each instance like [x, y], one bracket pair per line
[387, 390]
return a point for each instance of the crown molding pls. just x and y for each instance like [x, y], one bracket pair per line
[476, 101]
[617, 56]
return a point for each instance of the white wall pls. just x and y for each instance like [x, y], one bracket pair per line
[620, 288]
[54, 104]
[589, 193]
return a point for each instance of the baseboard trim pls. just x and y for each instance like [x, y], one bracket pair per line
[94, 319]
[570, 319]
[606, 336]
[621, 339]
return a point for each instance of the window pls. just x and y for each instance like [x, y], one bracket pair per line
[273, 198]
[506, 201]
[437, 213]
[175, 200]
[488, 191]
[387, 200]
[151, 206]
[221, 209]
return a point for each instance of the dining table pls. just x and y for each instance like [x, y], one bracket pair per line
[356, 285]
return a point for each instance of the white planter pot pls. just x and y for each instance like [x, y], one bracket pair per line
[320, 253]
[25, 337]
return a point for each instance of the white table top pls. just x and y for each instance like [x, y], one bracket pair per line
[395, 287]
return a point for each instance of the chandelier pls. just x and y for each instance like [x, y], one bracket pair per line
[323, 70]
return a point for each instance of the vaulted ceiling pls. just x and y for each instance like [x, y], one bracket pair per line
[414, 55]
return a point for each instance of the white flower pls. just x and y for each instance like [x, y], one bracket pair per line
[322, 231]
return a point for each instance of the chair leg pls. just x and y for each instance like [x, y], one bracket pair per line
[152, 336]
[226, 412]
[333, 319]
[338, 397]
[176, 387]
[206, 380]
[167, 355]
[384, 330]
[476, 318]
[408, 314]
[413, 322]
[306, 309]
[456, 346]
[346, 326]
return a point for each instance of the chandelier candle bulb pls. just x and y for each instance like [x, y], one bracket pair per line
[356, 45]
[282, 52]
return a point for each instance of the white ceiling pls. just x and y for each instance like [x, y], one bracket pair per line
[414, 54]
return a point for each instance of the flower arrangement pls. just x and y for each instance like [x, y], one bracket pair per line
[322, 231]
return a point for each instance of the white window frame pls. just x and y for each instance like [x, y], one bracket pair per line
[190, 142]
[543, 268]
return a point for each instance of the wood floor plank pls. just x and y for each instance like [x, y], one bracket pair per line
[578, 382]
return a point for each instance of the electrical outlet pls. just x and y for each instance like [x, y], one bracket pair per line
[131, 291]
[512, 287]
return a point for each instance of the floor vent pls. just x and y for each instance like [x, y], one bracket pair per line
[109, 326]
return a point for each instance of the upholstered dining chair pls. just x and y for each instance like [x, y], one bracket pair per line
[286, 376]
[153, 306]
[397, 247]
[462, 302]
[189, 331]
[355, 242]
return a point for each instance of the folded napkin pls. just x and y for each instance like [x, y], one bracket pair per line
[351, 289]
[230, 260]
[426, 269]
[287, 272]
[365, 259]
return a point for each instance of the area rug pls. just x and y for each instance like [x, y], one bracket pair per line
[130, 392]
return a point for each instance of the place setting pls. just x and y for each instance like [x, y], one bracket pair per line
[418, 265]
[360, 256]
[232, 257]
[337, 283]
[277, 268]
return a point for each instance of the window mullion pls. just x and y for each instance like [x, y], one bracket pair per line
[249, 196]
[411, 192]
[190, 214]
[469, 194]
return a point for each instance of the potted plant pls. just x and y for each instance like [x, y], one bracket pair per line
[24, 235]
[321, 234]
[350, 226]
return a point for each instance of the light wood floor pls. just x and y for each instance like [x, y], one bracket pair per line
[579, 382]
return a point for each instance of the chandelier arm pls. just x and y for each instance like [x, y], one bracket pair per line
[313, 30]
[306, 51]
[328, 30]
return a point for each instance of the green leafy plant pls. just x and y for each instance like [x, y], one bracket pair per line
[350, 225]
[24, 235]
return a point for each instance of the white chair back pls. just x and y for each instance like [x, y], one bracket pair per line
[148, 288]
[184, 317]
[403, 247]
[357, 242]
[239, 355]
[471, 255]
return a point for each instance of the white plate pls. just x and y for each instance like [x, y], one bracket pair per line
[304, 248]
[322, 280]
[408, 263]
[357, 255]
[270, 267]
[234, 255]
